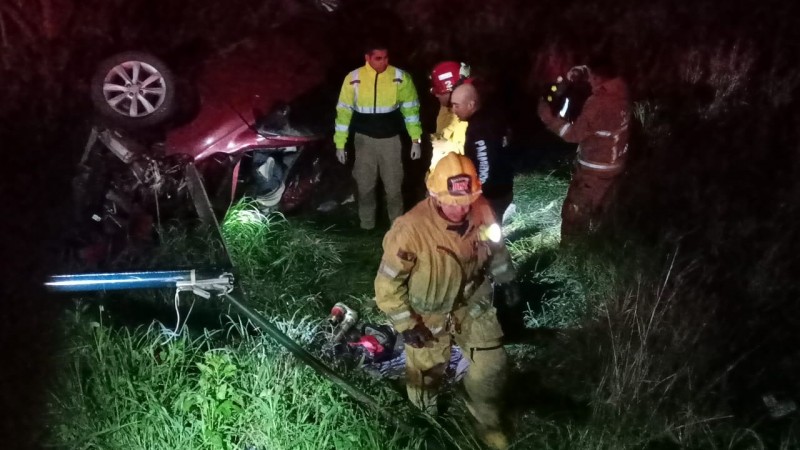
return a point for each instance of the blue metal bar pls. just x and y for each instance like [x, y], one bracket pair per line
[124, 280]
[191, 278]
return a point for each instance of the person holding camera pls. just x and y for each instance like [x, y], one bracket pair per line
[601, 132]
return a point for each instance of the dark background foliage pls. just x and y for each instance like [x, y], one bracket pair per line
[714, 168]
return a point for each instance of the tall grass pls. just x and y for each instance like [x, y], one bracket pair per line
[633, 365]
[628, 363]
[277, 260]
[134, 389]
[152, 388]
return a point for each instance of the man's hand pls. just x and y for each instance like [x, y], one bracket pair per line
[418, 336]
[416, 150]
[578, 73]
[511, 293]
[341, 155]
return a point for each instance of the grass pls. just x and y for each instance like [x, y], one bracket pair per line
[148, 387]
[613, 375]
[278, 260]
[134, 389]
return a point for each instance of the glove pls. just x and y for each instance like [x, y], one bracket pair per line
[416, 150]
[341, 155]
[511, 294]
[418, 336]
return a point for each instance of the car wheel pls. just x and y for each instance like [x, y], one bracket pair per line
[134, 90]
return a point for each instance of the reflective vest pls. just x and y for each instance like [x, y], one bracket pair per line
[377, 105]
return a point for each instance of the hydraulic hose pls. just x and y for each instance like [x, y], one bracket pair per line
[311, 361]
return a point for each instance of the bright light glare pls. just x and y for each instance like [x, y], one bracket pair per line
[248, 216]
[492, 233]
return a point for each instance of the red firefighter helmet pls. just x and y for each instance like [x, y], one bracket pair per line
[446, 75]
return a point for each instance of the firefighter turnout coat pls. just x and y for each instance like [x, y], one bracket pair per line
[601, 130]
[378, 105]
[436, 272]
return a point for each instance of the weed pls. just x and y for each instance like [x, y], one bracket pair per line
[277, 260]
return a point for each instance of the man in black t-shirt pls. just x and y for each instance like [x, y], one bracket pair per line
[486, 145]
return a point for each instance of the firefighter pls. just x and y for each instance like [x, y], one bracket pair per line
[376, 103]
[450, 130]
[434, 284]
[601, 132]
[486, 145]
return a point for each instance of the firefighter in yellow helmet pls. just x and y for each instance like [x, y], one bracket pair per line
[434, 283]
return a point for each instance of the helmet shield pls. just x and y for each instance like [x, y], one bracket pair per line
[454, 181]
[459, 185]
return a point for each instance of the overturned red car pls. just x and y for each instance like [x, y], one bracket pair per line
[254, 126]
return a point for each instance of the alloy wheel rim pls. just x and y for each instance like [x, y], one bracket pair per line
[134, 89]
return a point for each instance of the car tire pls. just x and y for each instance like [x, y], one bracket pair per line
[134, 90]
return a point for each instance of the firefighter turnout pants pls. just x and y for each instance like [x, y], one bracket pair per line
[378, 158]
[587, 198]
[479, 339]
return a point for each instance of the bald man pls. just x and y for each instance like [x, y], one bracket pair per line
[486, 145]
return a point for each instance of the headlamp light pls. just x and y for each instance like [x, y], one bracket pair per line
[491, 233]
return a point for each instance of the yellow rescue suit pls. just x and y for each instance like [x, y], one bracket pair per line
[436, 273]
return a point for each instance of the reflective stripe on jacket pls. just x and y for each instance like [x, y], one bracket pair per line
[369, 104]
[429, 268]
[601, 130]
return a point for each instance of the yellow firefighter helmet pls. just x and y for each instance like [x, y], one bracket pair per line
[454, 180]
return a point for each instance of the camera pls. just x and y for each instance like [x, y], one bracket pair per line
[567, 95]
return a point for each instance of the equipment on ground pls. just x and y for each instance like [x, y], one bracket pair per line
[343, 318]
[217, 283]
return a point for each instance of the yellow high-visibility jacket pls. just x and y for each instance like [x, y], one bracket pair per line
[450, 135]
[377, 105]
[431, 267]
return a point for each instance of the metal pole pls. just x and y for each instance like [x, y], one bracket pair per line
[130, 280]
